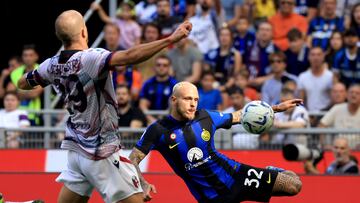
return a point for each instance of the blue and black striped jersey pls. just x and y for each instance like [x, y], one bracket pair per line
[188, 147]
[348, 69]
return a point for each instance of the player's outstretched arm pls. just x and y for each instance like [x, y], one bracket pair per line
[287, 183]
[142, 52]
[136, 157]
[283, 106]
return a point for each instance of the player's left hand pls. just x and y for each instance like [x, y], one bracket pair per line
[283, 106]
[181, 32]
[148, 188]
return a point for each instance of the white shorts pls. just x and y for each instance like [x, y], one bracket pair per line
[114, 177]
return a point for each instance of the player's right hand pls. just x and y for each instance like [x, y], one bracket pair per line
[148, 188]
[181, 32]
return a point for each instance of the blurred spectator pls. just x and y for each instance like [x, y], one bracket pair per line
[244, 37]
[12, 117]
[145, 11]
[112, 37]
[263, 9]
[271, 89]
[205, 25]
[346, 65]
[336, 44]
[241, 81]
[224, 61]
[29, 99]
[315, 83]
[297, 54]
[240, 140]
[232, 10]
[129, 116]
[151, 32]
[343, 163]
[346, 115]
[164, 20]
[307, 8]
[210, 98]
[297, 117]
[156, 91]
[337, 95]
[284, 20]
[257, 56]
[183, 8]
[129, 76]
[186, 61]
[344, 7]
[355, 19]
[130, 31]
[321, 27]
[5, 79]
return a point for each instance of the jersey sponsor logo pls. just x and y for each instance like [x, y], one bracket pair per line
[173, 136]
[195, 154]
[269, 180]
[205, 135]
[135, 181]
[172, 146]
[189, 166]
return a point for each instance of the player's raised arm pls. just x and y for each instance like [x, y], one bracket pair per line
[136, 157]
[142, 52]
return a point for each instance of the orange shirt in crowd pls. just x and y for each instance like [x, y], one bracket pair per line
[283, 24]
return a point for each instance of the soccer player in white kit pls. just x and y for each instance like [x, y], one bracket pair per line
[82, 77]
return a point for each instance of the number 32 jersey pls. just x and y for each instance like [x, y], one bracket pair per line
[83, 80]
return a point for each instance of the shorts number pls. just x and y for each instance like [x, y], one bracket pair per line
[249, 182]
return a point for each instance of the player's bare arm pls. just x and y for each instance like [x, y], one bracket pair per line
[287, 183]
[277, 108]
[142, 52]
[136, 157]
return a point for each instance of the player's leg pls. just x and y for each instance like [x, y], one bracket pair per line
[287, 183]
[136, 198]
[115, 178]
[68, 196]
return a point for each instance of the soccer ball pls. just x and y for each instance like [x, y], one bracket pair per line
[257, 117]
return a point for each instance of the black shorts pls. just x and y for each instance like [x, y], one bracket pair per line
[251, 184]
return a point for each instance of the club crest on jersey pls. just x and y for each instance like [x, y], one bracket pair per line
[173, 136]
[205, 135]
[135, 181]
[195, 154]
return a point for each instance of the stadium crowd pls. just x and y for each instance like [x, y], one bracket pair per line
[238, 51]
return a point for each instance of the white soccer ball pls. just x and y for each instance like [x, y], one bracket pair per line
[257, 117]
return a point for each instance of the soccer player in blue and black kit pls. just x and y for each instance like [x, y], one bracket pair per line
[185, 139]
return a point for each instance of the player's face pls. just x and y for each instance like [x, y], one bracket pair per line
[354, 95]
[341, 150]
[11, 102]
[122, 96]
[186, 103]
[29, 57]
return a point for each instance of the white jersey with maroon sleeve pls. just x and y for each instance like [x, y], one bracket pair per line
[85, 83]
